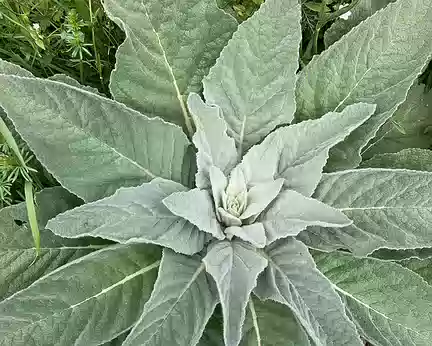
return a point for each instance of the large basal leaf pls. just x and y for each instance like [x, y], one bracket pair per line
[376, 62]
[409, 127]
[133, 215]
[253, 80]
[12, 69]
[421, 266]
[299, 152]
[390, 208]
[398, 255]
[362, 10]
[235, 266]
[86, 302]
[19, 266]
[91, 144]
[272, 324]
[416, 159]
[293, 279]
[215, 147]
[170, 45]
[391, 305]
[180, 306]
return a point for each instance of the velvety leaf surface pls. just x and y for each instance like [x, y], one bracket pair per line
[416, 159]
[169, 47]
[253, 80]
[133, 215]
[298, 152]
[390, 208]
[182, 302]
[91, 144]
[376, 62]
[215, 147]
[422, 267]
[292, 212]
[235, 266]
[362, 10]
[391, 304]
[276, 325]
[197, 207]
[86, 302]
[409, 127]
[19, 266]
[292, 278]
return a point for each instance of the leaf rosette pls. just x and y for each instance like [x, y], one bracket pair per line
[236, 213]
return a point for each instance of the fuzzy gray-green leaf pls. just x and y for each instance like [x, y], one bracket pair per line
[392, 304]
[235, 266]
[215, 147]
[390, 208]
[197, 207]
[292, 212]
[112, 284]
[376, 62]
[292, 278]
[299, 152]
[180, 306]
[133, 215]
[19, 266]
[169, 47]
[91, 144]
[253, 80]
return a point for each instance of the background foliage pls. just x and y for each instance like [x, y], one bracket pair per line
[76, 38]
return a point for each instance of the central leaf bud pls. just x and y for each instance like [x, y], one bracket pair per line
[235, 205]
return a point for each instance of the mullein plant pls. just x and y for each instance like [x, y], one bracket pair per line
[194, 208]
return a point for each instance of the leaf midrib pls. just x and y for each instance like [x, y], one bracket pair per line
[182, 293]
[104, 291]
[90, 135]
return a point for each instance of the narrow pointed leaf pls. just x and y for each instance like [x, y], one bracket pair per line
[276, 324]
[392, 304]
[390, 208]
[292, 212]
[235, 266]
[169, 47]
[112, 284]
[299, 152]
[91, 144]
[292, 278]
[215, 147]
[197, 207]
[182, 302]
[253, 80]
[356, 69]
[133, 215]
